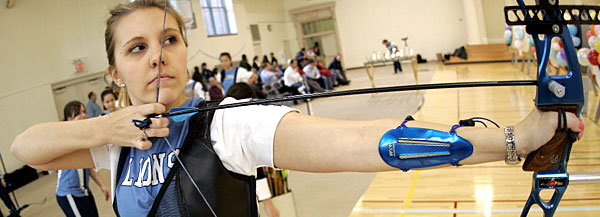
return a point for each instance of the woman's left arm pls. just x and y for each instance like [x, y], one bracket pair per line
[98, 179]
[314, 144]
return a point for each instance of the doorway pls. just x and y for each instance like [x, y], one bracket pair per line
[317, 23]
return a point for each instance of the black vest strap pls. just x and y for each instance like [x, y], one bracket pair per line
[228, 193]
[122, 160]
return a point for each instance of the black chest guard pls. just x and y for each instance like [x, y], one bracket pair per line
[228, 193]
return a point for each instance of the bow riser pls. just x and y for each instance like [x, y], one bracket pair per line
[563, 93]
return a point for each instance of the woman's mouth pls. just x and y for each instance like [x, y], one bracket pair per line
[162, 78]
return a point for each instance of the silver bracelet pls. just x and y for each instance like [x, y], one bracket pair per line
[511, 149]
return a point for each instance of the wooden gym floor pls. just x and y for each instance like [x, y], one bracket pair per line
[492, 189]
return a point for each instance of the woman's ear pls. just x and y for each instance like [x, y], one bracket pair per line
[116, 77]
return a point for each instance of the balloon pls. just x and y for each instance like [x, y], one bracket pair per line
[519, 34]
[572, 29]
[532, 49]
[561, 58]
[509, 41]
[576, 41]
[597, 29]
[517, 44]
[596, 73]
[590, 33]
[560, 44]
[597, 45]
[553, 60]
[507, 34]
[591, 41]
[593, 57]
[555, 46]
[582, 56]
[508, 28]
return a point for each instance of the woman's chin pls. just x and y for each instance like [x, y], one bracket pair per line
[171, 100]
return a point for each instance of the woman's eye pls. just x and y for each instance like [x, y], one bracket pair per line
[170, 40]
[137, 48]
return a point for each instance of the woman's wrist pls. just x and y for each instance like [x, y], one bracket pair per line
[522, 143]
[100, 132]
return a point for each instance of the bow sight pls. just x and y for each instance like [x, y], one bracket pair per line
[562, 93]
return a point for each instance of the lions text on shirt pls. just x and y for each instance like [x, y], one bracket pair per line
[73, 182]
[144, 171]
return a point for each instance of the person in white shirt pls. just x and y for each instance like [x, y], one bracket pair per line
[292, 78]
[313, 74]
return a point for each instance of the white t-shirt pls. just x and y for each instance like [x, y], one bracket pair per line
[291, 76]
[242, 137]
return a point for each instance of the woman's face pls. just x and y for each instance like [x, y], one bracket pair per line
[82, 115]
[109, 102]
[137, 49]
[225, 61]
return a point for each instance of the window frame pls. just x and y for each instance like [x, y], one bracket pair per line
[208, 7]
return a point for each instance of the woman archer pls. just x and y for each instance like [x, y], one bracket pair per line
[224, 146]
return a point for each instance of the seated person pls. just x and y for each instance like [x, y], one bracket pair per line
[292, 78]
[312, 73]
[267, 75]
[336, 67]
[326, 73]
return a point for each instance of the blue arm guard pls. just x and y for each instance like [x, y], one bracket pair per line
[407, 148]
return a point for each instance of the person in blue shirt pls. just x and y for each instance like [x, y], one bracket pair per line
[93, 110]
[229, 143]
[393, 48]
[267, 75]
[231, 74]
[72, 190]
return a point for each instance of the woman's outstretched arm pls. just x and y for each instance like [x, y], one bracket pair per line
[314, 144]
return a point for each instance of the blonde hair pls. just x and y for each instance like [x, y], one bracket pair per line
[119, 12]
[122, 10]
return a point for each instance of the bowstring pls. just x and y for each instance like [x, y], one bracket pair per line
[162, 42]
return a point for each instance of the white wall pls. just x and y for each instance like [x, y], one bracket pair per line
[362, 26]
[266, 13]
[493, 13]
[38, 42]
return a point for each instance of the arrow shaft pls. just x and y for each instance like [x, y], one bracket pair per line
[362, 91]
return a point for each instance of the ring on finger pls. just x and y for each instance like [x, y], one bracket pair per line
[144, 135]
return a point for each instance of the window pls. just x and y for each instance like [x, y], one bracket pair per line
[184, 8]
[219, 17]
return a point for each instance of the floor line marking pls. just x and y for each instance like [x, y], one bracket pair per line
[536, 209]
[411, 192]
[471, 201]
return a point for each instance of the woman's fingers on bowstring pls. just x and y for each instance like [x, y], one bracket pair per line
[123, 131]
[151, 108]
[157, 132]
[159, 122]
